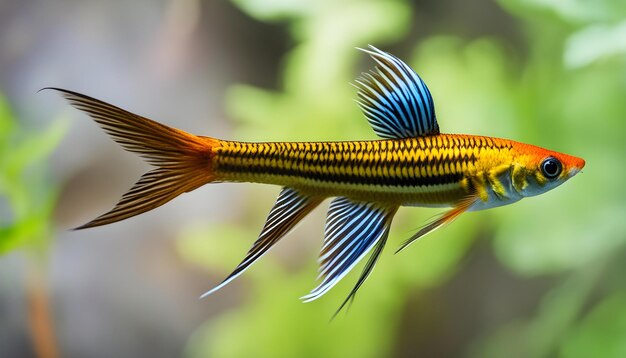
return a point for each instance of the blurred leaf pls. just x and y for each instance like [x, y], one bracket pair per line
[269, 10]
[35, 148]
[203, 245]
[594, 43]
[559, 239]
[6, 123]
[23, 184]
[278, 325]
[601, 333]
[575, 11]
[471, 83]
[543, 334]
[317, 94]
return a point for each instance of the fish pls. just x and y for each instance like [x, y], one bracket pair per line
[410, 164]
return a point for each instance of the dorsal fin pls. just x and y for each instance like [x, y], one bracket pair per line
[394, 99]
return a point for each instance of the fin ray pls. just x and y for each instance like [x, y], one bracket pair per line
[395, 100]
[290, 207]
[153, 189]
[367, 270]
[443, 219]
[183, 160]
[352, 229]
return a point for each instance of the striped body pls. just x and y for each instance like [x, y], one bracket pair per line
[423, 171]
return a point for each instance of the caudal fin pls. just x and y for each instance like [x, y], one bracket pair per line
[183, 160]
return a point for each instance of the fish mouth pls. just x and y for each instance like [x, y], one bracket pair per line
[575, 171]
[577, 166]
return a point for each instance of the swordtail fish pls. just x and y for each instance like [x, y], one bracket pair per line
[412, 164]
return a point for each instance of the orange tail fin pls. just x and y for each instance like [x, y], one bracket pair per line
[183, 160]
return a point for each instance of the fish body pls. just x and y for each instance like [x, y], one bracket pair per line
[429, 171]
[413, 164]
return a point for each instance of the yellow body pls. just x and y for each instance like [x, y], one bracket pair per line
[436, 170]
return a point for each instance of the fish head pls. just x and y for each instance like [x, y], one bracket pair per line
[538, 170]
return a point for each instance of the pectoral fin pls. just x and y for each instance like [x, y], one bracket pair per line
[445, 218]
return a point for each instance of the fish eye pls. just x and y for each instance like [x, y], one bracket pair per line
[551, 167]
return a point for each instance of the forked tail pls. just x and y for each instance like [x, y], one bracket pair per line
[183, 161]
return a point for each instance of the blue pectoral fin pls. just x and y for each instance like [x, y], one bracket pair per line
[352, 229]
[289, 209]
[395, 100]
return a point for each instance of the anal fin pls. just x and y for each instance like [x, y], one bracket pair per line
[369, 266]
[352, 230]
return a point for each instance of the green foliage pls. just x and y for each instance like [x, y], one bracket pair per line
[539, 335]
[565, 93]
[317, 70]
[601, 333]
[25, 188]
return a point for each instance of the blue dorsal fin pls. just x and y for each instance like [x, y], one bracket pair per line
[289, 209]
[394, 99]
[352, 229]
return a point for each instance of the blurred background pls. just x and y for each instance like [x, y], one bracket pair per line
[541, 278]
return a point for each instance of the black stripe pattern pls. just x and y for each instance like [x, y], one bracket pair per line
[415, 162]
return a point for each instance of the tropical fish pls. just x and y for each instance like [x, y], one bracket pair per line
[413, 164]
